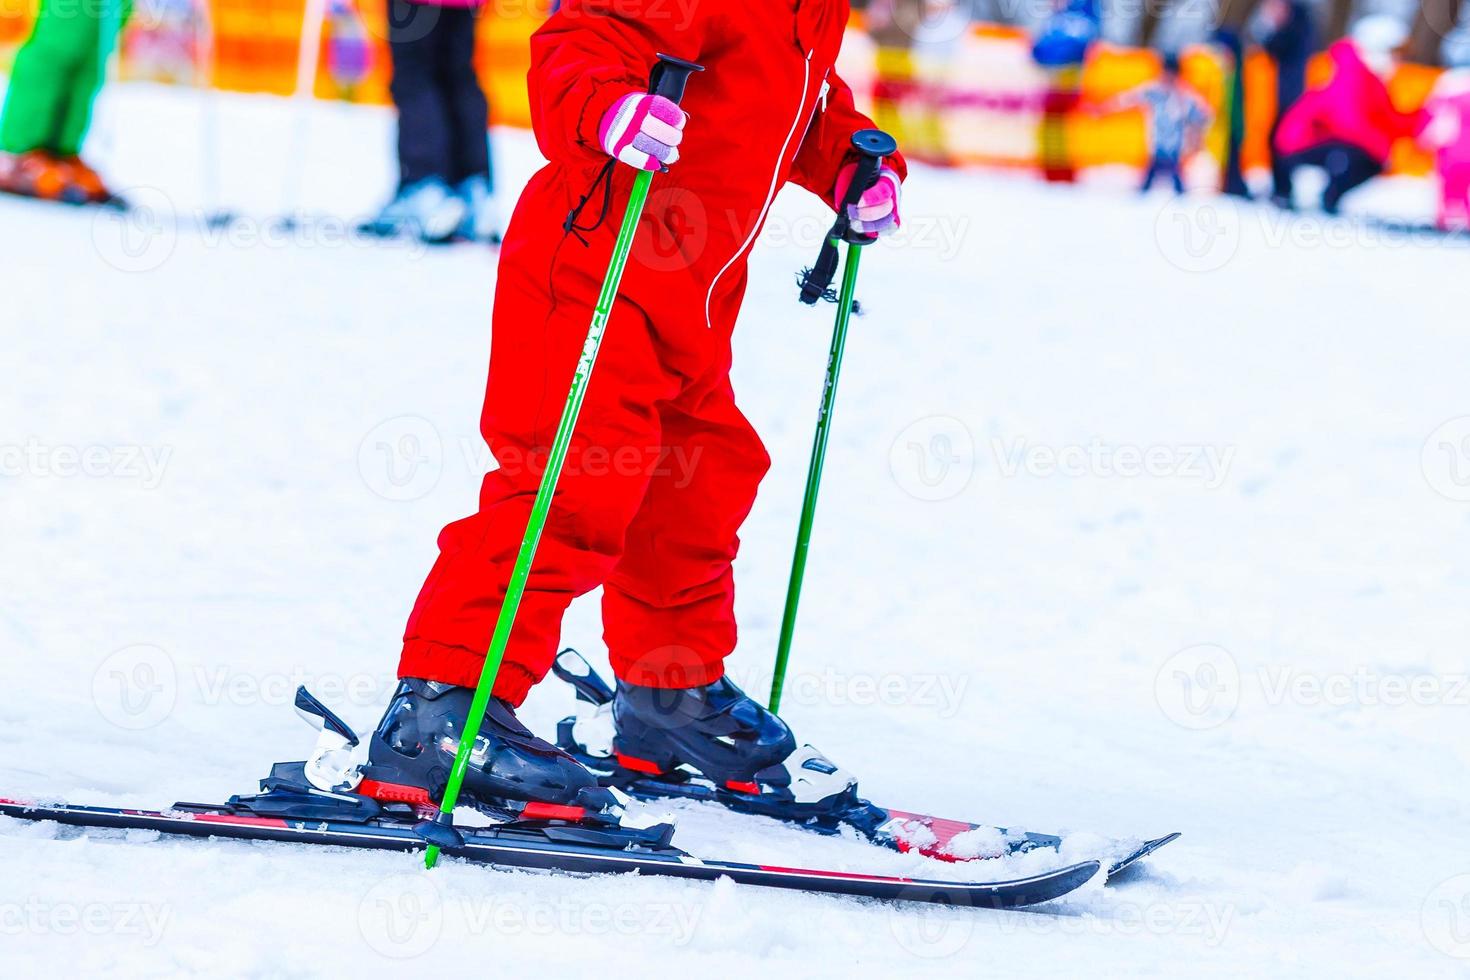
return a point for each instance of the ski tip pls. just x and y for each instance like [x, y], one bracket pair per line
[1043, 887]
[1143, 851]
[1150, 846]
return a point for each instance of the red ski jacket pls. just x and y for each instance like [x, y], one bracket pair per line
[768, 108]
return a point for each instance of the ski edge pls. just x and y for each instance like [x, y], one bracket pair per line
[486, 847]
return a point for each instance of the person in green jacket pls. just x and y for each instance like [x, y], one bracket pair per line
[48, 103]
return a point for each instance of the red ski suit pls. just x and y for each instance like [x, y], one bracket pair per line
[663, 467]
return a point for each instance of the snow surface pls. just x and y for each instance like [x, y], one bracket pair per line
[227, 457]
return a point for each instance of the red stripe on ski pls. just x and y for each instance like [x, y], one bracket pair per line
[752, 788]
[944, 831]
[812, 873]
[928, 851]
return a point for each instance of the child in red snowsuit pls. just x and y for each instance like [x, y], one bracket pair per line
[663, 468]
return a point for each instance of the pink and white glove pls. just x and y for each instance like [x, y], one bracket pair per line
[644, 131]
[876, 212]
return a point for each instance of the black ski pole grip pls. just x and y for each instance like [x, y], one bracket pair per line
[669, 77]
[872, 146]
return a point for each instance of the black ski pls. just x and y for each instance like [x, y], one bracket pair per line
[550, 845]
[899, 830]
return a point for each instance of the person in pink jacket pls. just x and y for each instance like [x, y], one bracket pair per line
[1447, 132]
[1348, 126]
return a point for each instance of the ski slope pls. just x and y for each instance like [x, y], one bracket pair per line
[1138, 517]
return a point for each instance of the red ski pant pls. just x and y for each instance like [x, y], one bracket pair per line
[662, 471]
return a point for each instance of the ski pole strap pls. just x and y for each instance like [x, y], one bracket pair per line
[872, 145]
[668, 78]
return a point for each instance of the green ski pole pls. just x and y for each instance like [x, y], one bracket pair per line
[873, 145]
[668, 79]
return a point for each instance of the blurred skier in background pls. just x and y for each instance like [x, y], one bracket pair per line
[1284, 29]
[48, 105]
[1447, 132]
[1176, 119]
[1348, 127]
[446, 185]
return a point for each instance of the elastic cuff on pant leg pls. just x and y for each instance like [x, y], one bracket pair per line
[679, 673]
[513, 683]
[461, 667]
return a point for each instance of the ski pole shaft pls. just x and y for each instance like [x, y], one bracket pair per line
[873, 145]
[814, 474]
[668, 80]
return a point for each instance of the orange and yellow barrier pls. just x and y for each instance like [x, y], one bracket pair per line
[976, 100]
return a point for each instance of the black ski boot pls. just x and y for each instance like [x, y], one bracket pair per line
[706, 743]
[716, 730]
[512, 773]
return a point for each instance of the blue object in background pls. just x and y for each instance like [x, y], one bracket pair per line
[1068, 34]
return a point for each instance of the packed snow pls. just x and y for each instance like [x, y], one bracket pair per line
[1140, 516]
